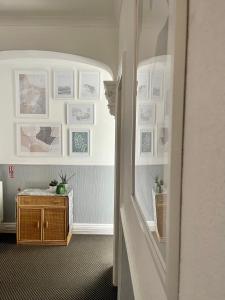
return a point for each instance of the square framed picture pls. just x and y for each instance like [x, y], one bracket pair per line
[31, 94]
[44, 139]
[89, 85]
[143, 85]
[81, 113]
[79, 142]
[146, 142]
[146, 114]
[156, 86]
[162, 142]
[64, 84]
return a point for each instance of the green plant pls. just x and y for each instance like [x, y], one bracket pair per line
[64, 178]
[53, 183]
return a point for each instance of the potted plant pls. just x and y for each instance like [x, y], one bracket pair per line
[52, 185]
[63, 186]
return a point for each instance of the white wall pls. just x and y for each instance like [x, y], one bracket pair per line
[203, 208]
[102, 132]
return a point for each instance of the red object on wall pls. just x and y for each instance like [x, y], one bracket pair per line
[11, 171]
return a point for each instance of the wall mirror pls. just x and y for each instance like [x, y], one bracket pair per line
[158, 100]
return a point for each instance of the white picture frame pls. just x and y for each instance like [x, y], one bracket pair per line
[43, 139]
[146, 113]
[156, 84]
[143, 85]
[89, 85]
[162, 140]
[146, 142]
[31, 94]
[79, 142]
[63, 84]
[80, 113]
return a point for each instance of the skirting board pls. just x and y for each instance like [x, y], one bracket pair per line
[77, 228]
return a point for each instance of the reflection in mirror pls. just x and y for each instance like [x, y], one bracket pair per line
[152, 118]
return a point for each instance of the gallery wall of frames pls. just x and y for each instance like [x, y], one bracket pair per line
[69, 131]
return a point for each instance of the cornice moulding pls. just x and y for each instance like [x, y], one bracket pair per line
[110, 93]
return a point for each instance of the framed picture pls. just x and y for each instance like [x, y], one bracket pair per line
[44, 139]
[146, 114]
[63, 84]
[143, 85]
[162, 142]
[31, 93]
[156, 86]
[89, 85]
[81, 113]
[146, 142]
[79, 142]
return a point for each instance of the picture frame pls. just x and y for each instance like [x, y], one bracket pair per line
[162, 140]
[146, 139]
[64, 84]
[81, 113]
[79, 142]
[31, 94]
[89, 85]
[143, 85]
[157, 84]
[146, 113]
[43, 139]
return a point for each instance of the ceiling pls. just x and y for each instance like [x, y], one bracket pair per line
[88, 9]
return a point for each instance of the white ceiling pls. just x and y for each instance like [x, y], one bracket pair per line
[76, 8]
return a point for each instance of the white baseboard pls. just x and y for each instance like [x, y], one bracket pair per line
[77, 228]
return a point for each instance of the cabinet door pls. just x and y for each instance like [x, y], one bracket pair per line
[29, 224]
[54, 226]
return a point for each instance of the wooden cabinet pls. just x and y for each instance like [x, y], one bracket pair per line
[44, 219]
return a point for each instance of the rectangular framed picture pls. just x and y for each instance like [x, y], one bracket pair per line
[79, 142]
[146, 114]
[89, 85]
[143, 85]
[156, 86]
[31, 93]
[162, 142]
[44, 139]
[64, 84]
[81, 113]
[146, 142]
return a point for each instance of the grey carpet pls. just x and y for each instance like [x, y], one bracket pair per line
[80, 271]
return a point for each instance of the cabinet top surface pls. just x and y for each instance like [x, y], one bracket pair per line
[42, 192]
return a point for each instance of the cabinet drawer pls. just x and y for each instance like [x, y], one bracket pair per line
[42, 200]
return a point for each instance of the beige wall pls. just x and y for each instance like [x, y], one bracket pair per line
[203, 209]
[98, 42]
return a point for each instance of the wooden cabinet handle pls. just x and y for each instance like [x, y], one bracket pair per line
[38, 224]
[46, 224]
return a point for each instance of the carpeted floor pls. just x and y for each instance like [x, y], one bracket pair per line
[80, 271]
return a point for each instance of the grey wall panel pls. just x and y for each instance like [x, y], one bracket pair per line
[93, 189]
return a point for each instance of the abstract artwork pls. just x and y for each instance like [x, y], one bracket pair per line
[82, 113]
[89, 85]
[157, 77]
[80, 142]
[63, 84]
[31, 94]
[143, 85]
[162, 140]
[146, 114]
[39, 139]
[146, 142]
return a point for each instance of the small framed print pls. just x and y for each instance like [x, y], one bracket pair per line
[143, 85]
[146, 114]
[44, 139]
[156, 86]
[81, 113]
[89, 85]
[79, 142]
[31, 93]
[63, 84]
[146, 142]
[162, 142]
